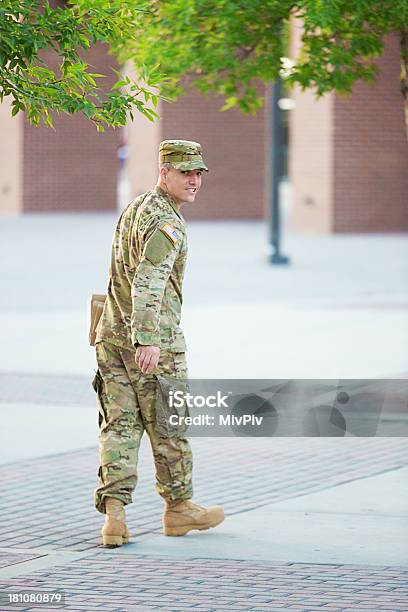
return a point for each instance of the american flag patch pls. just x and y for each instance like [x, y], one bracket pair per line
[170, 232]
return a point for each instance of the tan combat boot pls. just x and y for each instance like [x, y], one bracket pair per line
[114, 531]
[180, 517]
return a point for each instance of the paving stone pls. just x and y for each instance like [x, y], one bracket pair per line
[78, 580]
[115, 583]
[70, 473]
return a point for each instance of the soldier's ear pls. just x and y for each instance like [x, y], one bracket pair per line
[164, 172]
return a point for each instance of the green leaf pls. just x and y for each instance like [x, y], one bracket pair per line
[119, 84]
[218, 46]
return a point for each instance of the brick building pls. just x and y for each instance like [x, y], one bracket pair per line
[349, 156]
[347, 161]
[71, 168]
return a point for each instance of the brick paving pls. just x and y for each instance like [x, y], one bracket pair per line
[245, 474]
[48, 502]
[11, 558]
[125, 582]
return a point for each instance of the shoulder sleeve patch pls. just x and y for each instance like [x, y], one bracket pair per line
[158, 247]
[171, 233]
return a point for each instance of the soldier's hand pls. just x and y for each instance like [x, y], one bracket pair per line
[147, 358]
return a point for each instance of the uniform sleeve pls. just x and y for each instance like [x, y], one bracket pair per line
[158, 257]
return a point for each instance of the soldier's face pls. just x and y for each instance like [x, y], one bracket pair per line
[183, 185]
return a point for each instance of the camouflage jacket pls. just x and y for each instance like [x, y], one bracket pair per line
[149, 251]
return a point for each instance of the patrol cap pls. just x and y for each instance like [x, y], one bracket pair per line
[182, 154]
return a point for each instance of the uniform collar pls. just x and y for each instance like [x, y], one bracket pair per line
[170, 200]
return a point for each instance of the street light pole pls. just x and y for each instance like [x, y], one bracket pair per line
[276, 258]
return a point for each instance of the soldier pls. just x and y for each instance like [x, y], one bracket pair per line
[138, 339]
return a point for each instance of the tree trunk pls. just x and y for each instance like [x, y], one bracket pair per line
[404, 72]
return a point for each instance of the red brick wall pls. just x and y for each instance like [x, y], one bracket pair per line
[371, 154]
[233, 147]
[73, 168]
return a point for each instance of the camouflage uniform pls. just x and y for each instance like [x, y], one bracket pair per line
[143, 307]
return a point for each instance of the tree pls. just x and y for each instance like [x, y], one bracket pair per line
[30, 27]
[224, 46]
[228, 46]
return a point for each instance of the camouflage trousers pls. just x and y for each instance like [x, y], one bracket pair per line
[127, 408]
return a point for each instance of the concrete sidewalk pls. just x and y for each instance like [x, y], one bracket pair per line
[339, 311]
[333, 526]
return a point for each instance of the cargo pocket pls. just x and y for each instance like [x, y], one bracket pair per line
[171, 408]
[97, 385]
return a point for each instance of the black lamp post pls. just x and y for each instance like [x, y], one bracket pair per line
[276, 258]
